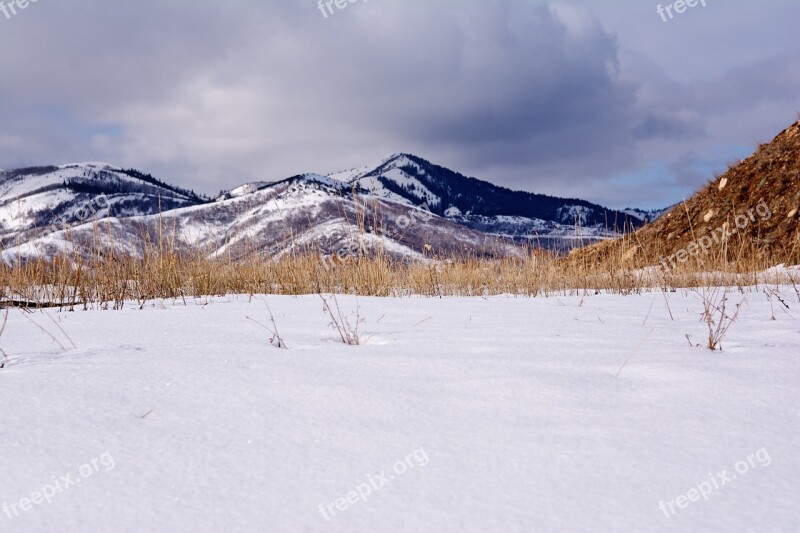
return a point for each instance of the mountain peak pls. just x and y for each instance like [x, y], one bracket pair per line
[404, 159]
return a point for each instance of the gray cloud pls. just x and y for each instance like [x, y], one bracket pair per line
[600, 100]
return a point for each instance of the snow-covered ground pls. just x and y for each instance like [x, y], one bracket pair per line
[456, 415]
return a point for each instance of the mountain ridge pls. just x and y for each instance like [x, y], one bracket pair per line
[40, 205]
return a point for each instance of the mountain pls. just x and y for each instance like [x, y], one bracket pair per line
[39, 200]
[306, 213]
[405, 205]
[748, 217]
[647, 215]
[480, 205]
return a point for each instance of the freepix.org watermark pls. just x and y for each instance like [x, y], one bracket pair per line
[92, 207]
[14, 6]
[679, 7]
[375, 482]
[59, 485]
[717, 236]
[326, 6]
[716, 481]
[402, 224]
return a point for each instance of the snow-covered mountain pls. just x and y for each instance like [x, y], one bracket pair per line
[407, 206]
[39, 200]
[647, 215]
[480, 205]
[304, 213]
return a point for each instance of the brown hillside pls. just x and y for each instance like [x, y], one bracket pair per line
[747, 218]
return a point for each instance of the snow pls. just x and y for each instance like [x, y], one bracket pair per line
[402, 160]
[367, 178]
[353, 174]
[374, 187]
[402, 178]
[31, 201]
[30, 184]
[245, 189]
[573, 214]
[503, 414]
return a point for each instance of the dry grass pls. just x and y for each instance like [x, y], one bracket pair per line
[276, 338]
[109, 281]
[716, 316]
[348, 332]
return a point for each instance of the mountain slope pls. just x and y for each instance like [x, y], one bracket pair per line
[481, 205]
[38, 200]
[749, 214]
[307, 213]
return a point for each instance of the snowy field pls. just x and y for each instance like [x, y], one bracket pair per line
[456, 415]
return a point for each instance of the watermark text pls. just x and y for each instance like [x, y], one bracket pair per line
[59, 485]
[715, 481]
[375, 482]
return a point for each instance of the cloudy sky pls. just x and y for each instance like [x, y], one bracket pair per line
[597, 99]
